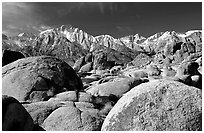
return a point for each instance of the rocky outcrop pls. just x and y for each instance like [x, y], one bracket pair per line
[141, 60]
[38, 78]
[106, 58]
[159, 105]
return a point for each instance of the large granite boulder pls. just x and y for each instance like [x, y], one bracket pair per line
[159, 105]
[39, 111]
[38, 78]
[71, 118]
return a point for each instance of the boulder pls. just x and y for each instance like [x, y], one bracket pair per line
[14, 116]
[153, 70]
[159, 105]
[72, 96]
[106, 57]
[38, 78]
[167, 72]
[100, 61]
[188, 73]
[187, 68]
[117, 88]
[73, 119]
[39, 111]
[104, 103]
[136, 73]
[86, 68]
[79, 63]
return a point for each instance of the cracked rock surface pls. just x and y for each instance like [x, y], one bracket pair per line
[159, 105]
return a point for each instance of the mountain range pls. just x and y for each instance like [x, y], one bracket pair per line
[69, 43]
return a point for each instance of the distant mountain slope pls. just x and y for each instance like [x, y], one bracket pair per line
[69, 43]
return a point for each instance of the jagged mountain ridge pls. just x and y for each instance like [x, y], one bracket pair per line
[85, 39]
[132, 42]
[74, 43]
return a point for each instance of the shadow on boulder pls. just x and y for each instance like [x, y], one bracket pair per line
[11, 56]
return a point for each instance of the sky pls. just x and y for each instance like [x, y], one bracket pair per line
[117, 19]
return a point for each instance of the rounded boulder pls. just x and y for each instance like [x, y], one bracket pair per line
[159, 105]
[73, 119]
[38, 78]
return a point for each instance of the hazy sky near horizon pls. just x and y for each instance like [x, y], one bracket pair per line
[114, 18]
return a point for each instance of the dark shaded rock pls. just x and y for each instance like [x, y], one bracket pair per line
[187, 68]
[106, 58]
[197, 81]
[14, 116]
[38, 128]
[104, 103]
[11, 56]
[100, 61]
[187, 72]
[159, 105]
[38, 78]
[4, 37]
